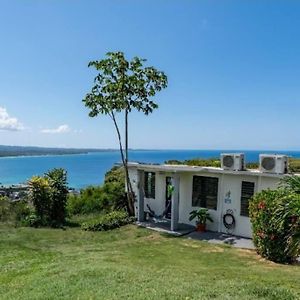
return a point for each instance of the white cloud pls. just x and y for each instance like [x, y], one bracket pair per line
[60, 129]
[9, 123]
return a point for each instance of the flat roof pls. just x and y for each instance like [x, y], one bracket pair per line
[193, 169]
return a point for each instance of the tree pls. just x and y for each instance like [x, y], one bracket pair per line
[48, 195]
[57, 179]
[39, 195]
[120, 87]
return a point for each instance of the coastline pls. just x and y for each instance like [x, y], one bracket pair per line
[54, 154]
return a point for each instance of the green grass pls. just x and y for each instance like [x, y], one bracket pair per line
[133, 263]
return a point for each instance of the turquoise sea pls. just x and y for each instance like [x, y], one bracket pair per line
[89, 169]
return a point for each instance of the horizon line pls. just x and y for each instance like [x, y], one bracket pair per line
[153, 149]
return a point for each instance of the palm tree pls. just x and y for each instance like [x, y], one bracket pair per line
[291, 183]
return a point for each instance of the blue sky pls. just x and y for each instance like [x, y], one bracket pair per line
[233, 69]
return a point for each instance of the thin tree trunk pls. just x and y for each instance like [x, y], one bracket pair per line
[112, 115]
[124, 161]
[126, 136]
[129, 186]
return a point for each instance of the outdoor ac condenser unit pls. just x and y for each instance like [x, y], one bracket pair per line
[233, 161]
[276, 164]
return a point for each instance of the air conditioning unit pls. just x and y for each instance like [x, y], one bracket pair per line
[233, 161]
[276, 164]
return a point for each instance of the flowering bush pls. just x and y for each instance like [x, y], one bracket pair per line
[275, 218]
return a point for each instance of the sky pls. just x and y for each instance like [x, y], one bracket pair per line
[233, 70]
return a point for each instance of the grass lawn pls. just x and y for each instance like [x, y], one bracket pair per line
[133, 263]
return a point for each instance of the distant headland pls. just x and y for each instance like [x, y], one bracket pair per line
[10, 151]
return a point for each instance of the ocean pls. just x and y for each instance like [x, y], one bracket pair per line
[89, 169]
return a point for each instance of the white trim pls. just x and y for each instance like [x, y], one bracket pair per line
[196, 169]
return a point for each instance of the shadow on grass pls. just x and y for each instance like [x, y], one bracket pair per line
[72, 224]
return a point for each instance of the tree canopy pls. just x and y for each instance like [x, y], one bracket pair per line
[123, 85]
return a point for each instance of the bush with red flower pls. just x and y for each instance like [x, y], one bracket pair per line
[275, 218]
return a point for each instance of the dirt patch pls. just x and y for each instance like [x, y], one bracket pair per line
[204, 249]
[153, 237]
[213, 250]
[256, 258]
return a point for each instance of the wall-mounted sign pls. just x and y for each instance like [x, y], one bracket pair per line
[228, 197]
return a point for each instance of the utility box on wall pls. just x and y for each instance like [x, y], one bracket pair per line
[276, 164]
[233, 161]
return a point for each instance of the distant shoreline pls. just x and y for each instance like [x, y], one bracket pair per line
[28, 151]
[52, 154]
[24, 151]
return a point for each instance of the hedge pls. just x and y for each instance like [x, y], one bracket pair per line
[108, 221]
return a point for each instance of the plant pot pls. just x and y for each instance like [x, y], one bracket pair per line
[201, 227]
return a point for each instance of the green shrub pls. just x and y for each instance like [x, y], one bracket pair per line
[110, 196]
[20, 210]
[275, 218]
[252, 165]
[209, 162]
[114, 188]
[294, 165]
[4, 209]
[13, 211]
[57, 179]
[291, 183]
[108, 221]
[48, 195]
[88, 201]
[39, 195]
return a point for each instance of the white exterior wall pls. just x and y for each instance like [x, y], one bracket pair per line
[227, 182]
[158, 203]
[267, 183]
[233, 184]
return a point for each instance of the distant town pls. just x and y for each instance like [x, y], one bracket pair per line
[14, 192]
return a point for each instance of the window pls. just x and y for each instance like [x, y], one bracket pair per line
[205, 192]
[149, 185]
[246, 194]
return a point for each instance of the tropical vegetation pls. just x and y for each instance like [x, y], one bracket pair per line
[202, 215]
[294, 163]
[98, 199]
[275, 218]
[13, 212]
[49, 203]
[108, 221]
[48, 195]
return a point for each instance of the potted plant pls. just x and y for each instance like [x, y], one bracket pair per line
[202, 216]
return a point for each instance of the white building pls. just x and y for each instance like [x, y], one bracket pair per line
[225, 190]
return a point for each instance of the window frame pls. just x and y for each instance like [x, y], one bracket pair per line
[244, 211]
[204, 192]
